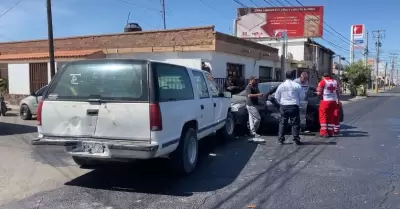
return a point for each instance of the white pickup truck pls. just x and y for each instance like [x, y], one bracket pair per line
[123, 109]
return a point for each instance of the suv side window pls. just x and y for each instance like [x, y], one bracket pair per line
[214, 88]
[41, 91]
[201, 84]
[173, 82]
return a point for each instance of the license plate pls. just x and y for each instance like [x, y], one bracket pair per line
[93, 147]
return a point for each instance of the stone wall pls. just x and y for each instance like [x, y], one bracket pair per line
[14, 99]
[163, 38]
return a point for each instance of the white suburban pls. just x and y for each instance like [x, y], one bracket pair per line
[122, 109]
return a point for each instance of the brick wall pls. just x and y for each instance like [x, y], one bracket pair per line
[167, 38]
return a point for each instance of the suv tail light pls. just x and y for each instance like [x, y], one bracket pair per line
[39, 113]
[155, 117]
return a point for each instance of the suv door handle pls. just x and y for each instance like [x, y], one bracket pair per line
[202, 107]
[92, 112]
[215, 104]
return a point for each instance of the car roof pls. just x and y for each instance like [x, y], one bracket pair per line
[131, 59]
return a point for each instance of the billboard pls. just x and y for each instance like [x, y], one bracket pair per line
[357, 36]
[272, 22]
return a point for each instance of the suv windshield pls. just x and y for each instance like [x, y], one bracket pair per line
[101, 79]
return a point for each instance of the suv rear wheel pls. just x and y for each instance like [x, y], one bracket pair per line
[184, 158]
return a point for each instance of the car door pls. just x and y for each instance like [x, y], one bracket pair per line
[221, 104]
[205, 116]
[303, 105]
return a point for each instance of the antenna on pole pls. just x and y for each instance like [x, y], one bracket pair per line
[127, 20]
[163, 13]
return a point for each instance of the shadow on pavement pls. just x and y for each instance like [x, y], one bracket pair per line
[13, 129]
[319, 143]
[11, 114]
[346, 127]
[218, 166]
[354, 134]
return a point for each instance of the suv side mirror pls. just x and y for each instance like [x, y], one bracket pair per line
[227, 94]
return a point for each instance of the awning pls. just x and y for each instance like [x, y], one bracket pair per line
[57, 55]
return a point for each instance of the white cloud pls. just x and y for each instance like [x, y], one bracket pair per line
[27, 16]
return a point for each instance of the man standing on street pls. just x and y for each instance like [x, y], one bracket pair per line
[289, 94]
[253, 94]
[328, 90]
[303, 81]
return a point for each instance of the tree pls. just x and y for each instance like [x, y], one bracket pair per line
[355, 75]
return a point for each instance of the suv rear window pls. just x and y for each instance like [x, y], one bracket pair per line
[105, 80]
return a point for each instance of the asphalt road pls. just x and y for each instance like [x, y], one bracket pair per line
[359, 169]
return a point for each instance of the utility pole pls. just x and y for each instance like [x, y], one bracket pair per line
[163, 13]
[378, 35]
[393, 56]
[366, 52]
[283, 56]
[51, 39]
[384, 77]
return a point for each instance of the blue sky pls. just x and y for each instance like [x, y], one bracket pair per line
[82, 17]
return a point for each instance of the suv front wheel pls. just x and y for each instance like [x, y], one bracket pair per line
[228, 131]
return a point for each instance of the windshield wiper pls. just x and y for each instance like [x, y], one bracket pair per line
[94, 98]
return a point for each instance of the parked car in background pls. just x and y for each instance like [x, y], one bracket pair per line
[28, 106]
[127, 109]
[269, 109]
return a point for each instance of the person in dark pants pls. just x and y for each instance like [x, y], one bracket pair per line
[289, 94]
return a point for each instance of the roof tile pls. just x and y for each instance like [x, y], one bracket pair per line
[45, 55]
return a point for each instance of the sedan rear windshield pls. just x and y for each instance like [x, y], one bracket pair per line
[103, 80]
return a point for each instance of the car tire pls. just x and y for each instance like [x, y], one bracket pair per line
[25, 112]
[228, 131]
[184, 158]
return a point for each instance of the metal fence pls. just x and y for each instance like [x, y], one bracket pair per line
[221, 82]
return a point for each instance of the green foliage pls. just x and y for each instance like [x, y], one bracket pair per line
[355, 75]
[3, 85]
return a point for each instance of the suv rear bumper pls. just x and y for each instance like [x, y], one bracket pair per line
[113, 149]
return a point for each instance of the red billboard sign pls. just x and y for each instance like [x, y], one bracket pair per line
[298, 22]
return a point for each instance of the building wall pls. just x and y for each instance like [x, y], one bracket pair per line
[18, 79]
[217, 60]
[294, 47]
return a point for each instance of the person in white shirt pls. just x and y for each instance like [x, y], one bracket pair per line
[289, 94]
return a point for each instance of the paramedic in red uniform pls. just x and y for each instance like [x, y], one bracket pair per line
[328, 89]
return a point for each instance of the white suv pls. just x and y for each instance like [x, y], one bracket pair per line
[121, 109]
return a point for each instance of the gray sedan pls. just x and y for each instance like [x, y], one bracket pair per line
[28, 106]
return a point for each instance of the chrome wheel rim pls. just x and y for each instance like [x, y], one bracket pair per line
[229, 126]
[192, 150]
[23, 111]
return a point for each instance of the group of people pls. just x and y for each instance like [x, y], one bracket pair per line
[288, 96]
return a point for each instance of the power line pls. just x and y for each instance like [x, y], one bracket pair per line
[139, 5]
[325, 39]
[11, 8]
[326, 23]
